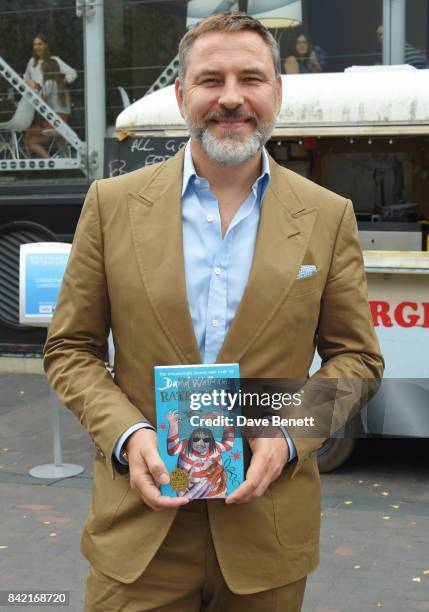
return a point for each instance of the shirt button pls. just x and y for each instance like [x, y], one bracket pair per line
[215, 323]
[217, 271]
[210, 218]
[197, 181]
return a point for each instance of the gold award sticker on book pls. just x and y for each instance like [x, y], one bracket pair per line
[179, 480]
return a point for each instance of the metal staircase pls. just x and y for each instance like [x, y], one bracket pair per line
[70, 152]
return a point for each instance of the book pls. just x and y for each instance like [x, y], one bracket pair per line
[196, 410]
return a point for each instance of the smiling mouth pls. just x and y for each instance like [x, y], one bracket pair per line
[231, 123]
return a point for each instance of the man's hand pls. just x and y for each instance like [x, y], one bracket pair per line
[270, 455]
[148, 471]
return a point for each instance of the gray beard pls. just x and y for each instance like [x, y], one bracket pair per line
[230, 150]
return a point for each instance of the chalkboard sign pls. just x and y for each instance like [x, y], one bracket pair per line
[130, 154]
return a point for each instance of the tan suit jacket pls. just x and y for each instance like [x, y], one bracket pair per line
[126, 272]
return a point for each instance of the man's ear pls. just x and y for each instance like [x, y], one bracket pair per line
[279, 84]
[178, 88]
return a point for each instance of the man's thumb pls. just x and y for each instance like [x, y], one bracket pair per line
[157, 468]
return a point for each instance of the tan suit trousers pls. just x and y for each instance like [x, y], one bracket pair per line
[184, 576]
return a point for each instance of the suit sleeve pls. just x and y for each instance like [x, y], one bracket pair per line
[346, 342]
[76, 349]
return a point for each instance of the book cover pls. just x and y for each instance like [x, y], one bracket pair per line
[196, 407]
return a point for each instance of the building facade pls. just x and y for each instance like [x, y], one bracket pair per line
[54, 117]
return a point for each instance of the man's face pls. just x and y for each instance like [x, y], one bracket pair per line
[200, 442]
[231, 95]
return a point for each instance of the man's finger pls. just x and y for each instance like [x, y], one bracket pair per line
[241, 494]
[148, 471]
[151, 495]
[255, 474]
[263, 486]
[153, 498]
[252, 490]
[156, 467]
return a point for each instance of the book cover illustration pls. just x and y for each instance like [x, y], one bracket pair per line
[197, 436]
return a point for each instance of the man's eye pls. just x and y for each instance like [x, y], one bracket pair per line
[252, 80]
[210, 81]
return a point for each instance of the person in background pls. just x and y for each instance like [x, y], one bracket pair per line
[300, 57]
[412, 56]
[34, 77]
[55, 93]
[33, 74]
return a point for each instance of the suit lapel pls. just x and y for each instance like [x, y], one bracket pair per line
[284, 232]
[156, 226]
[156, 223]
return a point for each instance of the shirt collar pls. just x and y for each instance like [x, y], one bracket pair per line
[259, 187]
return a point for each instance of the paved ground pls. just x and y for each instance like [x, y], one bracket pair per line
[375, 526]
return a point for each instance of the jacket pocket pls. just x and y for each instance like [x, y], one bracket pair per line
[305, 286]
[107, 496]
[297, 505]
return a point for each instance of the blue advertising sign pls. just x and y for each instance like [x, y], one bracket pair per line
[42, 267]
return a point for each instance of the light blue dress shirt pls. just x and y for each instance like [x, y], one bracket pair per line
[216, 268]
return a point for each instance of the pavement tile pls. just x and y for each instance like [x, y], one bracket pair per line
[418, 605]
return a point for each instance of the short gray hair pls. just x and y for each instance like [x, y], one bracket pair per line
[231, 21]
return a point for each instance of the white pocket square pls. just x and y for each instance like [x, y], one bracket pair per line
[306, 271]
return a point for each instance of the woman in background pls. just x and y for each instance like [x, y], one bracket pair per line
[34, 77]
[300, 57]
[33, 74]
[56, 95]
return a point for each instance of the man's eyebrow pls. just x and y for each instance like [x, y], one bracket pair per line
[207, 72]
[246, 71]
[254, 71]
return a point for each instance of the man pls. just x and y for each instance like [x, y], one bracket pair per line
[412, 56]
[200, 259]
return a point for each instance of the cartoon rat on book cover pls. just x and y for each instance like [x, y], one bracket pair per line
[200, 456]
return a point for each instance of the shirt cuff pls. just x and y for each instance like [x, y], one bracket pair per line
[292, 447]
[124, 438]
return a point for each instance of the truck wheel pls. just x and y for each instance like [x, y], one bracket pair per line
[334, 452]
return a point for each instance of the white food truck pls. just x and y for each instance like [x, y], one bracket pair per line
[364, 134]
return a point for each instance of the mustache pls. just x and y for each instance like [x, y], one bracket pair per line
[234, 113]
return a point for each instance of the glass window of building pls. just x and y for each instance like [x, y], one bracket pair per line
[334, 35]
[42, 63]
[42, 102]
[141, 41]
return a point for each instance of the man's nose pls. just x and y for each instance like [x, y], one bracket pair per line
[231, 95]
